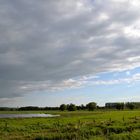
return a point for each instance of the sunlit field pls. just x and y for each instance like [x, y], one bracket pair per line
[77, 125]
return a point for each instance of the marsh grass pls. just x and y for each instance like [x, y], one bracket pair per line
[78, 125]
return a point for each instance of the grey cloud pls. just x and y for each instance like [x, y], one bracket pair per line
[51, 41]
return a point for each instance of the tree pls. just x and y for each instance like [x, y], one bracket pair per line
[71, 107]
[130, 105]
[82, 107]
[120, 106]
[91, 106]
[63, 107]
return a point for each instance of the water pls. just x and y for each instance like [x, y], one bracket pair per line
[26, 115]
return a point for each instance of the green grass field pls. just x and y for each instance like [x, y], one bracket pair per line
[78, 125]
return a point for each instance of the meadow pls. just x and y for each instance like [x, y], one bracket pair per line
[75, 125]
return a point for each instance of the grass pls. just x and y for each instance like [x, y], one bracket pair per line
[78, 125]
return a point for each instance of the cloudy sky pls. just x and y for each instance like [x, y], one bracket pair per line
[69, 51]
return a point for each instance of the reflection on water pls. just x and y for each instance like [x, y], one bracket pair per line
[26, 115]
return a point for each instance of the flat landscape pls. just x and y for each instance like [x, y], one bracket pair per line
[69, 69]
[73, 125]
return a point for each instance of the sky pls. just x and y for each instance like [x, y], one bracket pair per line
[69, 51]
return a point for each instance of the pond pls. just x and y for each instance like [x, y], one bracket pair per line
[26, 115]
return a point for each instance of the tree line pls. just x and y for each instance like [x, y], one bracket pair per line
[72, 107]
[62, 107]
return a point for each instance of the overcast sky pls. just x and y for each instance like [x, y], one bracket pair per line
[62, 51]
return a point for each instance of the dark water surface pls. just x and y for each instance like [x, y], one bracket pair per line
[26, 115]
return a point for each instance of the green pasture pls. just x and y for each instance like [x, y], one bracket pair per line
[77, 125]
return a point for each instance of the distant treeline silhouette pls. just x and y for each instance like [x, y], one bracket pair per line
[122, 105]
[72, 107]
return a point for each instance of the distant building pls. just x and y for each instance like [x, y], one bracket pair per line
[110, 105]
[114, 105]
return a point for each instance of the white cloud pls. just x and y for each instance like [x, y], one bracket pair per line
[135, 3]
[133, 30]
[103, 17]
[130, 80]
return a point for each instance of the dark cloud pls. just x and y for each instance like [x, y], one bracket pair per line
[43, 44]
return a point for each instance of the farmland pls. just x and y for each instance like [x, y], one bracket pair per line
[73, 125]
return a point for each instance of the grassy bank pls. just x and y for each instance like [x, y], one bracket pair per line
[78, 125]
